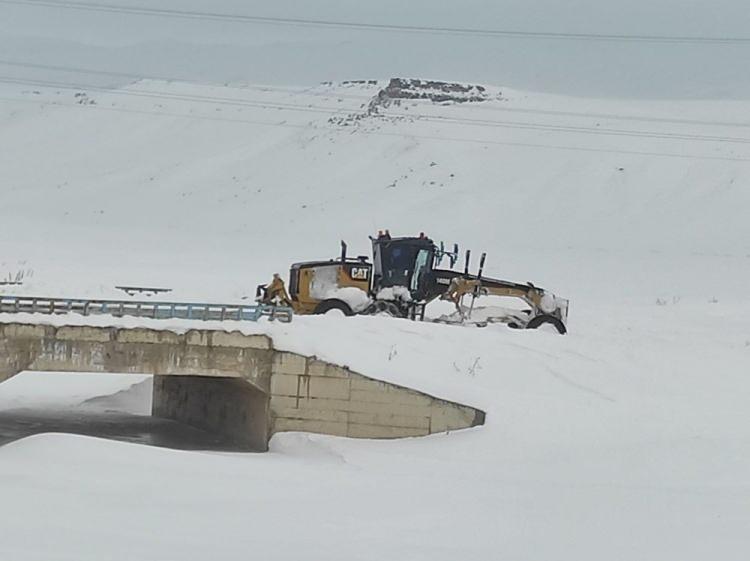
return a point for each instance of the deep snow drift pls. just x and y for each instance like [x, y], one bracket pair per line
[626, 439]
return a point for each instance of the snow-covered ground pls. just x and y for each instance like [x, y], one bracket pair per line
[628, 438]
[209, 190]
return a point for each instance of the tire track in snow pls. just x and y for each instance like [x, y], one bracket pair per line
[573, 384]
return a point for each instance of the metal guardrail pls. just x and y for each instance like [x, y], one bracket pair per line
[155, 310]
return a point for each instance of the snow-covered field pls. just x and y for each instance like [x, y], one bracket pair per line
[626, 439]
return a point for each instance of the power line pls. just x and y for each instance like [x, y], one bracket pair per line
[309, 108]
[160, 113]
[394, 134]
[367, 97]
[585, 130]
[310, 91]
[387, 134]
[133, 76]
[615, 116]
[386, 27]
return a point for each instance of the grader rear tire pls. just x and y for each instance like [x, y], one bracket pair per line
[327, 305]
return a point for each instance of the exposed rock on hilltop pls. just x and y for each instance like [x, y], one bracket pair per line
[439, 92]
[400, 89]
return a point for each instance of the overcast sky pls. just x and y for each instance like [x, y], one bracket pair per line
[206, 50]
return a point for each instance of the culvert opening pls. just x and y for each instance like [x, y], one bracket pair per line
[111, 406]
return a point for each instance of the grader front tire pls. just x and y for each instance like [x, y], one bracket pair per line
[552, 320]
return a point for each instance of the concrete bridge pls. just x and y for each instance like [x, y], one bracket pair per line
[235, 384]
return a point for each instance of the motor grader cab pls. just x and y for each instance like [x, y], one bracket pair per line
[402, 273]
[402, 279]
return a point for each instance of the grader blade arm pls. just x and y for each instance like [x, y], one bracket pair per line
[545, 307]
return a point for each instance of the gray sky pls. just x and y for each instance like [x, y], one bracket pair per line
[220, 51]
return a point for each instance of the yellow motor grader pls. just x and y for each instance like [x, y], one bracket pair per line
[402, 279]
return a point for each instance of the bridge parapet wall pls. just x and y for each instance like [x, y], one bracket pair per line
[135, 350]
